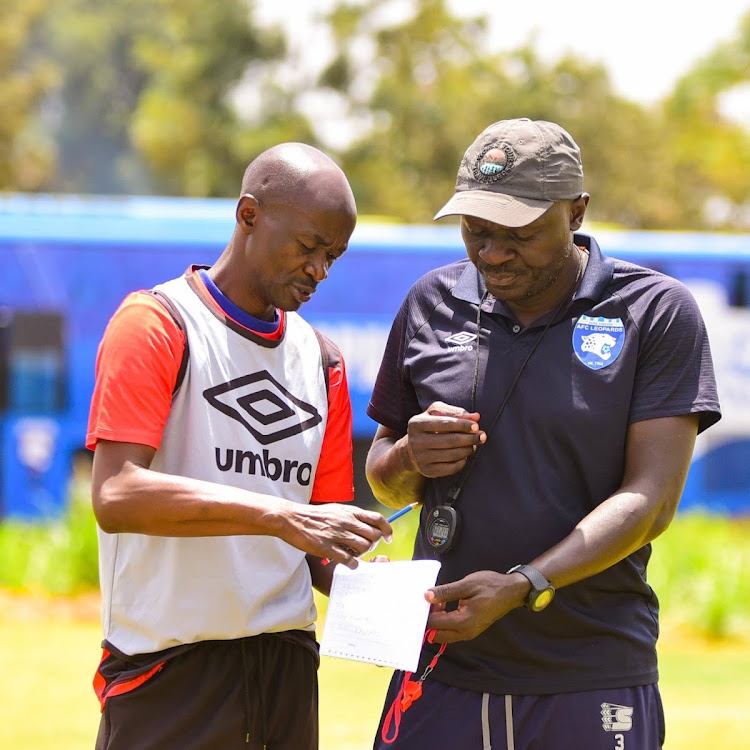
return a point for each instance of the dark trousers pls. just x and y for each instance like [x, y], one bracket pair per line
[258, 693]
[448, 718]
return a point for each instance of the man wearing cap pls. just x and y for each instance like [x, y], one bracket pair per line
[541, 401]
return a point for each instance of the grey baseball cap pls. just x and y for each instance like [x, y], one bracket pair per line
[514, 171]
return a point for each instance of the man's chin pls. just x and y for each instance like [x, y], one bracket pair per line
[290, 304]
[505, 286]
[505, 293]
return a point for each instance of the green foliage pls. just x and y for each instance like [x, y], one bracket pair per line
[700, 569]
[426, 74]
[436, 87]
[57, 557]
[712, 154]
[27, 157]
[176, 96]
[146, 99]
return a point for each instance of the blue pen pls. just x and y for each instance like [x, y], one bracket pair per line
[396, 515]
[402, 512]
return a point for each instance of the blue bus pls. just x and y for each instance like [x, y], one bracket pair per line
[69, 260]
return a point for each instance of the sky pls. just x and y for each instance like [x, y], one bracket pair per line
[645, 44]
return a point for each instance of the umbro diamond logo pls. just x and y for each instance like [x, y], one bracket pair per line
[461, 341]
[462, 337]
[262, 405]
[616, 718]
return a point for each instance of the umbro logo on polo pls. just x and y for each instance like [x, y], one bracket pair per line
[461, 341]
[263, 406]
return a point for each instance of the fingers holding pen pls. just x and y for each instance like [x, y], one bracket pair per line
[335, 531]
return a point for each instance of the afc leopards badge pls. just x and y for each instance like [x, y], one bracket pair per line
[598, 341]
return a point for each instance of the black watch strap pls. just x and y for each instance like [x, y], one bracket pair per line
[542, 590]
[536, 579]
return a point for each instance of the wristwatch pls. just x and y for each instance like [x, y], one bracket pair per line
[542, 591]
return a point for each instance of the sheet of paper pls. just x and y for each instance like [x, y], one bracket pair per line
[378, 613]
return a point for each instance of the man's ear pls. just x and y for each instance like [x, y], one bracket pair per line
[578, 211]
[247, 213]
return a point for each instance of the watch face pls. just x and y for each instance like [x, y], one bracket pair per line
[542, 599]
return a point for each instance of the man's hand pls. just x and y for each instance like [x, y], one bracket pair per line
[338, 532]
[483, 597]
[440, 440]
[129, 497]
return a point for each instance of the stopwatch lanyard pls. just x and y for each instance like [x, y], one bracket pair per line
[455, 491]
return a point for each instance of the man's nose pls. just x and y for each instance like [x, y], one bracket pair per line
[496, 251]
[317, 267]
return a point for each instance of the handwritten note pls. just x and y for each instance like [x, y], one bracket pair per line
[378, 613]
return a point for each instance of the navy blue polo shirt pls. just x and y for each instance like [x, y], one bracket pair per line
[630, 346]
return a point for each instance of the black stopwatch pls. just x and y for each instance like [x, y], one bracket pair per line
[442, 528]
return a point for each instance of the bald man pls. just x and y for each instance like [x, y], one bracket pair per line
[221, 426]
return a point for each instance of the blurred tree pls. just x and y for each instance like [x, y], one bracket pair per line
[420, 76]
[146, 102]
[187, 122]
[174, 97]
[27, 158]
[712, 152]
[428, 86]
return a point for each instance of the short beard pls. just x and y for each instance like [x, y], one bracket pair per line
[549, 277]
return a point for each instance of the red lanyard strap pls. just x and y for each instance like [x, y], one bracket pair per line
[410, 691]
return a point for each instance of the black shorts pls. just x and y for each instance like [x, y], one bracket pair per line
[249, 694]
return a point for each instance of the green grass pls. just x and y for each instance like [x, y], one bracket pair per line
[705, 686]
[700, 569]
[46, 698]
[48, 658]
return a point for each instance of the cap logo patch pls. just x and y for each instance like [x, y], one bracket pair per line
[494, 162]
[598, 341]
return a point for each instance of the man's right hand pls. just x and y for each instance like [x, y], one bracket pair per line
[440, 440]
[335, 531]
